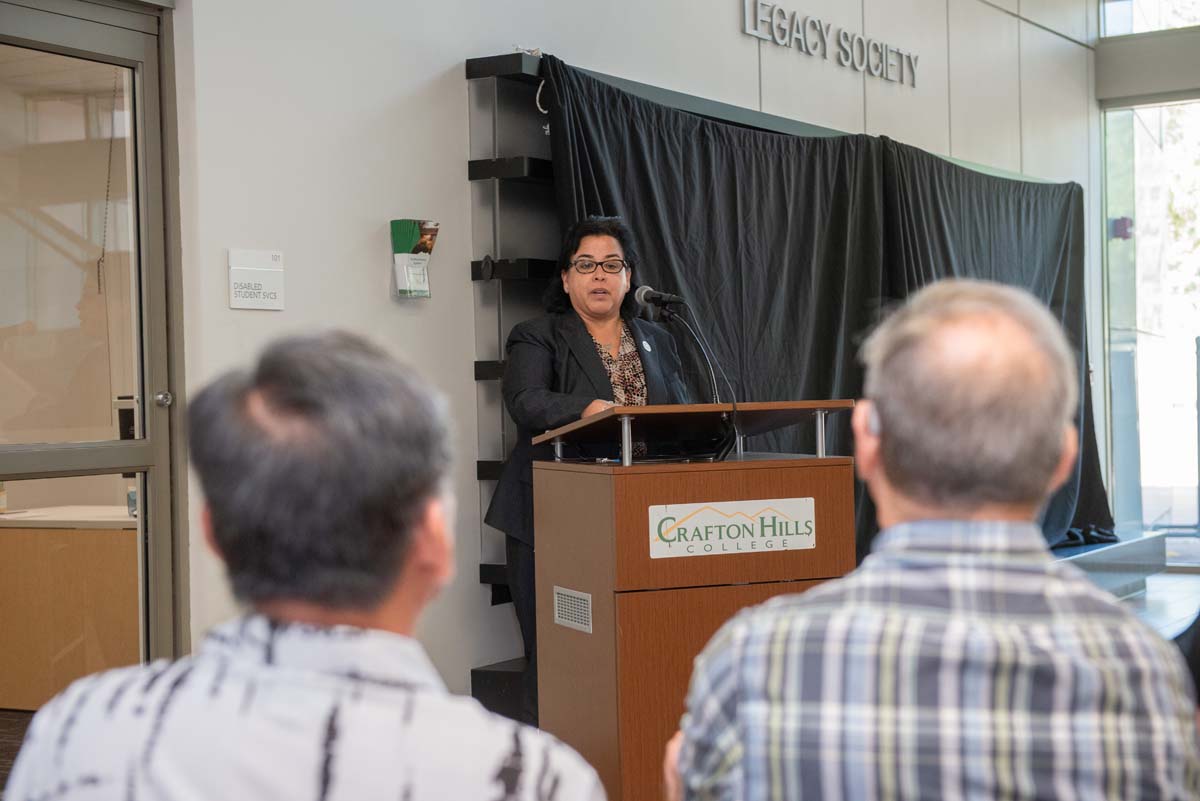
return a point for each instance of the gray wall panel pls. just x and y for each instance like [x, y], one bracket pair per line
[692, 46]
[1054, 112]
[916, 116]
[985, 86]
[812, 88]
[526, 225]
[481, 117]
[1068, 17]
[520, 127]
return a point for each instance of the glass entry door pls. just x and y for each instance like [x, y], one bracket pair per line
[86, 547]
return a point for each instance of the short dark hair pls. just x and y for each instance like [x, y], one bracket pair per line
[555, 299]
[315, 466]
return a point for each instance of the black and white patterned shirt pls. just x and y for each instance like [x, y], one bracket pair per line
[266, 711]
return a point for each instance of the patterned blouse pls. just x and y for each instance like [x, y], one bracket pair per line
[625, 371]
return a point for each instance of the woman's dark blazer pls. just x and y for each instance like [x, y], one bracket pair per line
[552, 372]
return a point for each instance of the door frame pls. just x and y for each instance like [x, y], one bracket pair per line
[129, 36]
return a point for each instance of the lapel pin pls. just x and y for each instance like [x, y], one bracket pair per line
[646, 345]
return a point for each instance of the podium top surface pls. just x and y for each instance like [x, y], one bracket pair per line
[692, 421]
[769, 462]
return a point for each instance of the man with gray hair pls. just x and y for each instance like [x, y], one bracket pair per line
[324, 473]
[960, 660]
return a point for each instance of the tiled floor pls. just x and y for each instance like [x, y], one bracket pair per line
[1170, 603]
[1183, 550]
[12, 732]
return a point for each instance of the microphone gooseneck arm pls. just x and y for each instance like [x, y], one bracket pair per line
[648, 297]
[735, 440]
[712, 375]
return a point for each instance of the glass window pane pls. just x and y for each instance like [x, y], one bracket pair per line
[68, 257]
[70, 583]
[1138, 16]
[1153, 249]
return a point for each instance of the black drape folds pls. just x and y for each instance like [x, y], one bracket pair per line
[944, 220]
[789, 248]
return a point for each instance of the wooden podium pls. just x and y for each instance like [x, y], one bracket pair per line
[618, 628]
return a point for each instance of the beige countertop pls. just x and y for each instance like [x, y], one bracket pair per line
[105, 517]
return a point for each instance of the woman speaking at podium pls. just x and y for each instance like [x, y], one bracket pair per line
[588, 353]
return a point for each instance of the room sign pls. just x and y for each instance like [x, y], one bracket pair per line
[255, 279]
[732, 527]
[812, 36]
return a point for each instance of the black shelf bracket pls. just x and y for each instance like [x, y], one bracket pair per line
[493, 573]
[489, 370]
[513, 168]
[488, 469]
[514, 66]
[487, 269]
[498, 687]
[495, 576]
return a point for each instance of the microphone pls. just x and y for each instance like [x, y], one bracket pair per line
[645, 296]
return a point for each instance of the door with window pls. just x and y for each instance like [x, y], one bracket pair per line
[86, 549]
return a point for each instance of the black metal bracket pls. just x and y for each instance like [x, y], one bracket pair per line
[488, 469]
[487, 269]
[489, 370]
[495, 576]
[514, 168]
[514, 66]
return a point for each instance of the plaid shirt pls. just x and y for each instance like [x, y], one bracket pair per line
[269, 712]
[959, 661]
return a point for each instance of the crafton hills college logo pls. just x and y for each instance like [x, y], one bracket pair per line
[732, 527]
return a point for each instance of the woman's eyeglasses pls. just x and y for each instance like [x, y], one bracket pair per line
[611, 266]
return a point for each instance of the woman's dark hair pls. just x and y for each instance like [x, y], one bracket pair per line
[555, 299]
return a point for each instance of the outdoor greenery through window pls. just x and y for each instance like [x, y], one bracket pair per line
[1153, 253]
[1139, 16]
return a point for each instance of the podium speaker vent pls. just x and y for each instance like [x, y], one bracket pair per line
[573, 609]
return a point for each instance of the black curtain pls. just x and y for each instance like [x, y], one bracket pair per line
[790, 248]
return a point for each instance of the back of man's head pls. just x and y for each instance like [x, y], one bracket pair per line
[974, 390]
[316, 465]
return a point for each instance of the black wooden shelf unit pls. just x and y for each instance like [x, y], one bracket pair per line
[515, 240]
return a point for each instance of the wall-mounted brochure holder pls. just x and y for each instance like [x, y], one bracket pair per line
[412, 247]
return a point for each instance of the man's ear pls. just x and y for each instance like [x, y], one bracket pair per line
[1066, 461]
[431, 550]
[867, 442]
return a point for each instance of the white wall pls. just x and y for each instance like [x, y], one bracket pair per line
[306, 129]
